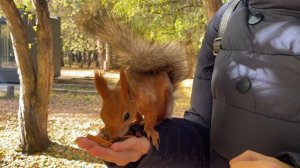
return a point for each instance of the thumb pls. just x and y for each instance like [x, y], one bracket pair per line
[141, 145]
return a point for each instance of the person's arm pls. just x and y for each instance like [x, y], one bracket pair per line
[201, 100]
[251, 159]
[182, 144]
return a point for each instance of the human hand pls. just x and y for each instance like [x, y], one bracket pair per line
[120, 153]
[250, 159]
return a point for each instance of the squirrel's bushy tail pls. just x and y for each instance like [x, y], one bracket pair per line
[136, 53]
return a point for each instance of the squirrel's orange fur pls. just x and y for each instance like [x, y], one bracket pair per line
[150, 96]
[150, 74]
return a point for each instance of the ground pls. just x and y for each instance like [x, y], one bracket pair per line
[73, 112]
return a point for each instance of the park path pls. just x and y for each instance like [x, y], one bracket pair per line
[80, 74]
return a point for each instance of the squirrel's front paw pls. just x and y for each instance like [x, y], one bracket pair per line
[154, 136]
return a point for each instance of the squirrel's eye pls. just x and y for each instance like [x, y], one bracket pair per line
[126, 116]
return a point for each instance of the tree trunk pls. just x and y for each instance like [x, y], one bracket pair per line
[211, 7]
[101, 53]
[107, 60]
[191, 53]
[35, 84]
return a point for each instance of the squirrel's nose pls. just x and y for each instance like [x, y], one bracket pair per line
[104, 133]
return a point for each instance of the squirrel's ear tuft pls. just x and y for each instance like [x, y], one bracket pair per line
[124, 85]
[101, 85]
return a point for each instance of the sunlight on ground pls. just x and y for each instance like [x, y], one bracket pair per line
[88, 73]
[63, 152]
[64, 126]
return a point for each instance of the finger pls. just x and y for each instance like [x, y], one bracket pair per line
[85, 143]
[141, 145]
[119, 158]
[248, 156]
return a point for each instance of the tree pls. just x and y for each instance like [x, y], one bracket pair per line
[73, 39]
[35, 83]
[162, 20]
[211, 7]
[165, 20]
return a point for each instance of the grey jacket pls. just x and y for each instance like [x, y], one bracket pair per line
[249, 94]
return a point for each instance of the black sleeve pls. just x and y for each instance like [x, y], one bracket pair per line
[290, 158]
[182, 144]
[201, 99]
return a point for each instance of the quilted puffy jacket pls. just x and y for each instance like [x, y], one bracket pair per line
[249, 94]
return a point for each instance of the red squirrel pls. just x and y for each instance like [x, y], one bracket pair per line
[150, 73]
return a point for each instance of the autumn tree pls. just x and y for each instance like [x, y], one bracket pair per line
[162, 20]
[73, 39]
[35, 82]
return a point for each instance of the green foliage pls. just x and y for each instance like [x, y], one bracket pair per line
[165, 20]
[25, 6]
[72, 38]
[162, 20]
